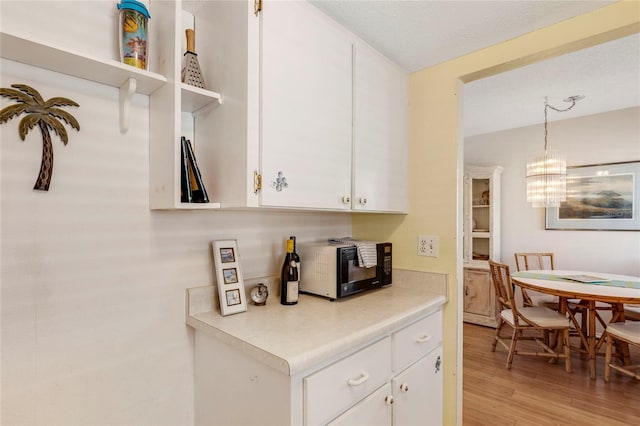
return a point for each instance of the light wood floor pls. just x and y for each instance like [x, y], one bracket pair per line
[535, 392]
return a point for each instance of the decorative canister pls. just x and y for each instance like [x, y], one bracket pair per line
[134, 35]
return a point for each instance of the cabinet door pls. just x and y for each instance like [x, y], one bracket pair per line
[306, 108]
[374, 410]
[481, 214]
[478, 292]
[418, 392]
[381, 133]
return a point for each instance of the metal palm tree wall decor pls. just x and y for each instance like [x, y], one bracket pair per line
[47, 115]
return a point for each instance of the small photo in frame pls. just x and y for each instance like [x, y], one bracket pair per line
[233, 297]
[230, 275]
[227, 255]
[228, 272]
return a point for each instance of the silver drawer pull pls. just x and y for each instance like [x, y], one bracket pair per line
[424, 338]
[364, 376]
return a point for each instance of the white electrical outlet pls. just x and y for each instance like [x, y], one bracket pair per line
[428, 245]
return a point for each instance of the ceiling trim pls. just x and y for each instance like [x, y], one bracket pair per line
[576, 38]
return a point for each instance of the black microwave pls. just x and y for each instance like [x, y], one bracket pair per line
[335, 271]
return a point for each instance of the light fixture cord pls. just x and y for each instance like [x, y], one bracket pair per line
[546, 107]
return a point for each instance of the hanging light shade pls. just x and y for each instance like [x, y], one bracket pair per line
[547, 173]
[547, 180]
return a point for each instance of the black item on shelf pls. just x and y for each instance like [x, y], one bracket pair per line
[198, 191]
[185, 187]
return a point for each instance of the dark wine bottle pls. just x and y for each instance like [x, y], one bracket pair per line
[297, 259]
[289, 278]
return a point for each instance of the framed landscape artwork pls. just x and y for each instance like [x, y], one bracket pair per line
[599, 197]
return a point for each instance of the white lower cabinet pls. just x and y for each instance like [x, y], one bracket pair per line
[394, 380]
[412, 393]
[413, 397]
[418, 392]
[374, 410]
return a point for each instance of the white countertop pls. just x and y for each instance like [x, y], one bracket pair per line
[294, 338]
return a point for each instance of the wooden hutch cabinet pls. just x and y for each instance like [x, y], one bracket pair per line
[481, 242]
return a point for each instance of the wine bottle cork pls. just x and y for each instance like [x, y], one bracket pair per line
[191, 40]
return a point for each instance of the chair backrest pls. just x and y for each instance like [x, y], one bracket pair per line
[501, 279]
[534, 261]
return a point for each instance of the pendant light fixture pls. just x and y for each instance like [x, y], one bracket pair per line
[547, 173]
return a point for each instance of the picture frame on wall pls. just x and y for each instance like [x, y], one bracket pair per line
[231, 290]
[603, 197]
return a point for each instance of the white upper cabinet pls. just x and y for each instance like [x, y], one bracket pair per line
[302, 114]
[306, 108]
[381, 103]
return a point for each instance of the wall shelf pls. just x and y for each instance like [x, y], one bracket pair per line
[65, 61]
[198, 206]
[196, 100]
[112, 73]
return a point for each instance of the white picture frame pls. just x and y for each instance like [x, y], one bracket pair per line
[600, 197]
[229, 277]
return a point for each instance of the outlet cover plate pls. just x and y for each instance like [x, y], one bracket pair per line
[428, 245]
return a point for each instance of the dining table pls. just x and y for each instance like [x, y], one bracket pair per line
[589, 290]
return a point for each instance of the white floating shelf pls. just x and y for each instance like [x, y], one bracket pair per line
[196, 100]
[189, 206]
[44, 55]
[128, 79]
[199, 206]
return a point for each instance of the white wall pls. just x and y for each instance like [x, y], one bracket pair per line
[93, 283]
[602, 138]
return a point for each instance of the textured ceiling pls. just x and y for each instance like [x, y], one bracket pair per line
[608, 75]
[418, 34]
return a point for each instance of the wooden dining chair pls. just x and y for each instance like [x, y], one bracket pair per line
[536, 321]
[536, 261]
[527, 261]
[627, 332]
[632, 312]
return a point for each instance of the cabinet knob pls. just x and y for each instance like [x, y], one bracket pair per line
[438, 364]
[389, 400]
[404, 387]
[346, 199]
[363, 201]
